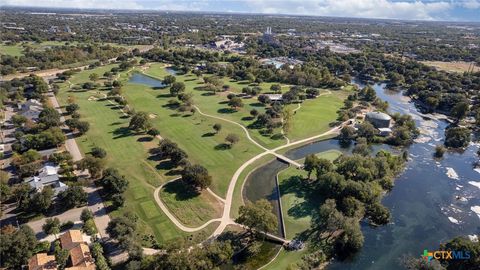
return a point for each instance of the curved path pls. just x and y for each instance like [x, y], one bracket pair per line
[172, 217]
[226, 220]
[232, 122]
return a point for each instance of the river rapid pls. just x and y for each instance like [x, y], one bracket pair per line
[433, 200]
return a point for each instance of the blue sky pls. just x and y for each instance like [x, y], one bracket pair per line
[460, 10]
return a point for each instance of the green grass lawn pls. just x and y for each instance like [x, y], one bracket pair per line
[286, 259]
[129, 154]
[296, 207]
[311, 119]
[190, 210]
[12, 50]
[195, 134]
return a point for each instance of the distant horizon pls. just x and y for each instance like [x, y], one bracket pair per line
[463, 11]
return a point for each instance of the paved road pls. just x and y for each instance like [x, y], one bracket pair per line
[95, 203]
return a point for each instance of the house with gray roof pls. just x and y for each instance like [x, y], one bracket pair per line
[31, 109]
[47, 176]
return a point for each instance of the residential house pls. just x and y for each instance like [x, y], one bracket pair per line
[31, 109]
[80, 257]
[47, 176]
[42, 261]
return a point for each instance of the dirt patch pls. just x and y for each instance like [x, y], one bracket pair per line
[92, 98]
[152, 116]
[454, 66]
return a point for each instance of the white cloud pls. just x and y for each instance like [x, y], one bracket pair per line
[355, 8]
[101, 4]
[471, 4]
[386, 9]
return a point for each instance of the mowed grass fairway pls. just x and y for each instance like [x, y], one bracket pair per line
[129, 154]
[12, 50]
[311, 119]
[194, 134]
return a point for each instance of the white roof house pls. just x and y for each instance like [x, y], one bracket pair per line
[47, 176]
[31, 109]
[274, 97]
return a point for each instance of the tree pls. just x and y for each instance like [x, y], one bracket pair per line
[276, 88]
[86, 215]
[264, 99]
[41, 201]
[235, 103]
[258, 217]
[347, 133]
[232, 139]
[439, 151]
[113, 182]
[367, 131]
[89, 227]
[98, 152]
[153, 132]
[177, 88]
[117, 200]
[71, 108]
[310, 164]
[169, 79]
[196, 177]
[254, 113]
[287, 117]
[83, 127]
[97, 253]
[323, 166]
[217, 127]
[17, 246]
[61, 256]
[73, 196]
[140, 122]
[457, 137]
[49, 117]
[93, 77]
[122, 228]
[378, 214]
[94, 165]
[51, 226]
[460, 110]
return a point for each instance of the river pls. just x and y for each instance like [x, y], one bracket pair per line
[428, 207]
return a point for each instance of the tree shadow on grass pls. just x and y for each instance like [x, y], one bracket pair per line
[301, 188]
[257, 104]
[122, 132]
[165, 164]
[247, 118]
[226, 110]
[207, 94]
[278, 136]
[115, 123]
[182, 192]
[208, 134]
[145, 139]
[164, 95]
[222, 146]
[223, 102]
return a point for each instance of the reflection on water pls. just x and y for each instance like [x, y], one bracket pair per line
[144, 79]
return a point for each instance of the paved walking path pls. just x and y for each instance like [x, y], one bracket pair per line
[226, 220]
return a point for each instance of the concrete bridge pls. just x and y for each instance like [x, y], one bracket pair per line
[275, 238]
[287, 160]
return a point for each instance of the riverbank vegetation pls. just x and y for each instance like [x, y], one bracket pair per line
[325, 210]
